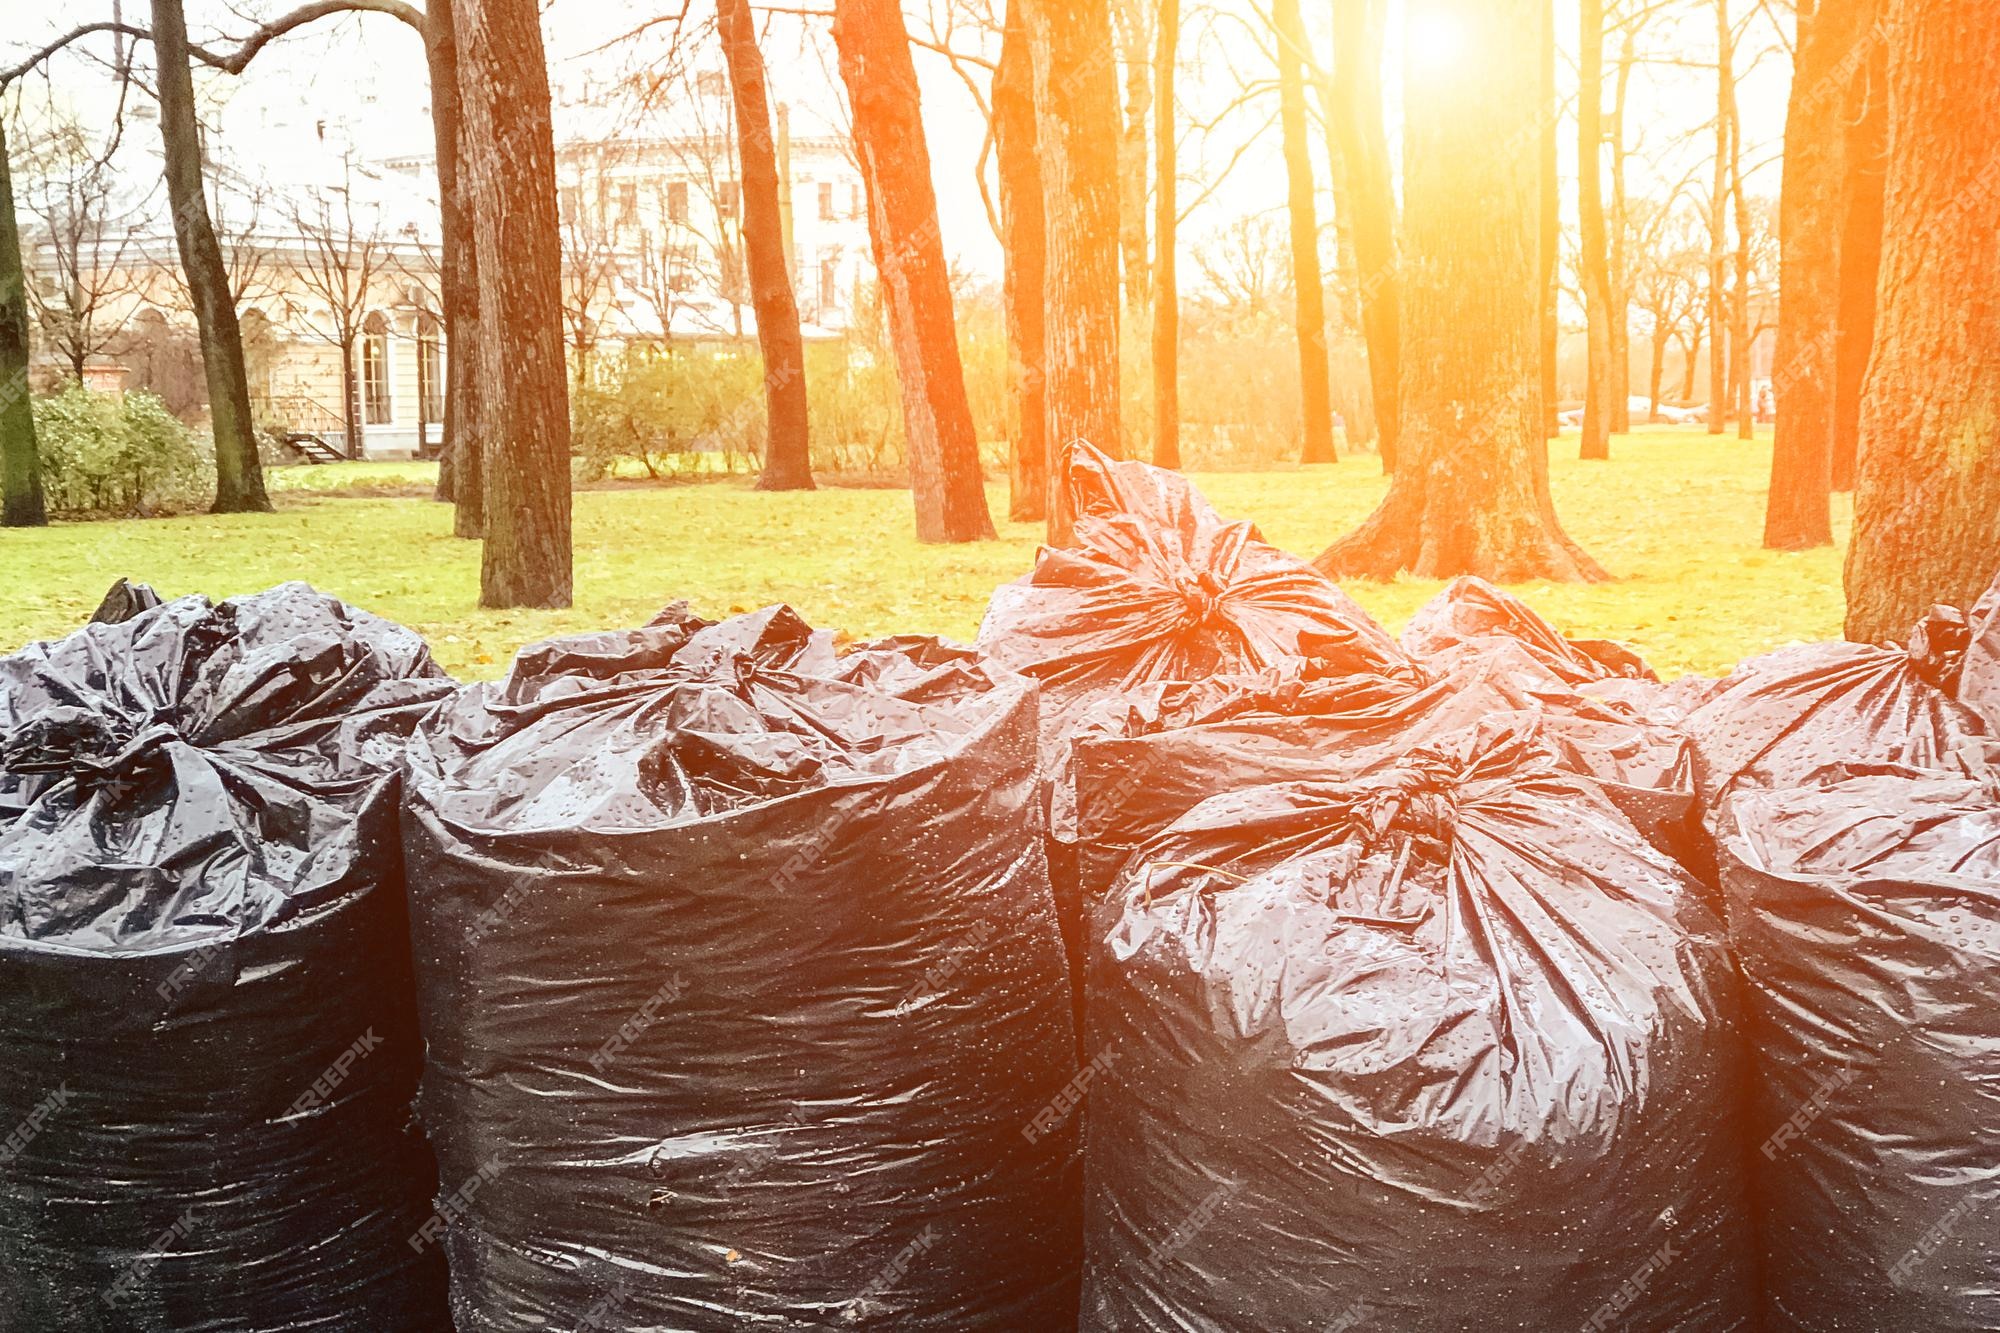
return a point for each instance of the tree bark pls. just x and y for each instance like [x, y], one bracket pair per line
[881, 81]
[1867, 118]
[1550, 275]
[1129, 26]
[1799, 513]
[1620, 226]
[1364, 147]
[460, 478]
[508, 179]
[1024, 243]
[1740, 336]
[239, 473]
[1076, 97]
[350, 399]
[1166, 233]
[1308, 295]
[1471, 492]
[1594, 261]
[1927, 499]
[21, 504]
[1718, 226]
[787, 450]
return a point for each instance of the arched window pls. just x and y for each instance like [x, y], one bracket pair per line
[430, 369]
[376, 407]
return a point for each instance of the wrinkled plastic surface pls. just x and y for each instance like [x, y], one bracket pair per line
[210, 1044]
[1866, 915]
[1138, 763]
[1778, 719]
[1448, 1047]
[1979, 676]
[1470, 615]
[742, 986]
[1159, 587]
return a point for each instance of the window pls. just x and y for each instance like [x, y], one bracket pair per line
[628, 203]
[677, 202]
[726, 199]
[826, 213]
[711, 83]
[567, 200]
[829, 284]
[375, 407]
[430, 370]
[854, 208]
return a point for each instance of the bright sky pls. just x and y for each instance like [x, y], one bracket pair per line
[365, 78]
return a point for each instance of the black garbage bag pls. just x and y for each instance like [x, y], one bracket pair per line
[1448, 1047]
[1471, 615]
[210, 1041]
[124, 600]
[1865, 912]
[742, 987]
[1159, 587]
[1137, 763]
[1979, 676]
[1778, 719]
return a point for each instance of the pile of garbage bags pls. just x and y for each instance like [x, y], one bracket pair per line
[1190, 954]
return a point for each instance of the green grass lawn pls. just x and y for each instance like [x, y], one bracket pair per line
[1675, 516]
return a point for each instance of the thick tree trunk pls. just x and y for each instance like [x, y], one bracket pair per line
[1799, 513]
[1024, 243]
[350, 399]
[1166, 234]
[1927, 500]
[1867, 118]
[1308, 295]
[1129, 23]
[20, 460]
[1594, 261]
[1718, 226]
[461, 478]
[1076, 97]
[1550, 252]
[508, 179]
[881, 84]
[787, 450]
[1364, 149]
[1659, 350]
[239, 473]
[1471, 490]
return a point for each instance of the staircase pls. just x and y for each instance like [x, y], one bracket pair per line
[312, 447]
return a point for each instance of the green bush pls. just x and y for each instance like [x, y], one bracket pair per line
[118, 455]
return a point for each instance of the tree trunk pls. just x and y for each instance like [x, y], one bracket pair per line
[1718, 226]
[1076, 97]
[460, 477]
[1024, 242]
[1129, 20]
[1620, 230]
[1364, 149]
[1927, 500]
[1471, 490]
[1740, 337]
[239, 473]
[20, 460]
[508, 179]
[1166, 233]
[1799, 511]
[881, 84]
[1308, 296]
[1593, 261]
[1866, 114]
[787, 451]
[1690, 355]
[1659, 350]
[350, 399]
[1550, 275]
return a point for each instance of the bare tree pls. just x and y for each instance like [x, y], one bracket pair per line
[1355, 109]
[339, 260]
[1308, 293]
[592, 264]
[1166, 234]
[87, 225]
[1594, 260]
[21, 500]
[1024, 244]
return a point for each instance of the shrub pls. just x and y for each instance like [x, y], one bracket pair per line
[118, 455]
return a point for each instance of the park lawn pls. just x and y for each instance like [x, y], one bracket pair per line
[1675, 515]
